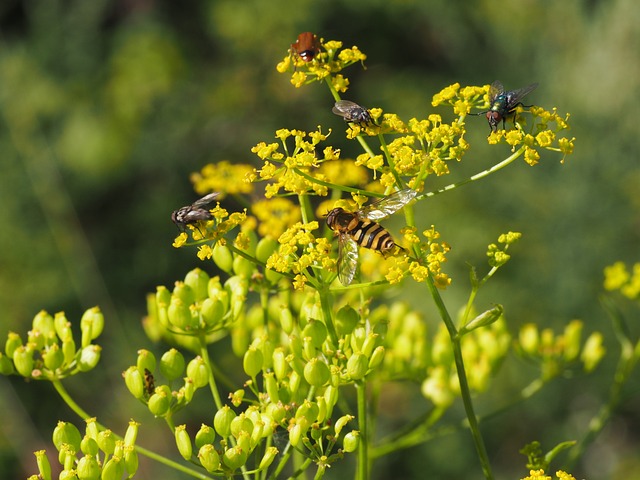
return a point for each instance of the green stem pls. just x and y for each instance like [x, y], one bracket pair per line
[465, 391]
[334, 186]
[325, 302]
[498, 166]
[204, 353]
[363, 449]
[141, 450]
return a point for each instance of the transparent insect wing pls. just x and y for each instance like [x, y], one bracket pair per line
[207, 199]
[387, 205]
[347, 258]
[495, 89]
[345, 108]
[514, 97]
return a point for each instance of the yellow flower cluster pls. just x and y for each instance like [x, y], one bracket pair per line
[540, 475]
[275, 216]
[224, 177]
[296, 171]
[617, 277]
[300, 251]
[328, 61]
[214, 229]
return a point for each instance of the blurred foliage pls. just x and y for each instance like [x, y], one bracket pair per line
[107, 107]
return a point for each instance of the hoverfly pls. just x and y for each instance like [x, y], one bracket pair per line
[503, 104]
[306, 46]
[361, 229]
[149, 382]
[352, 112]
[193, 213]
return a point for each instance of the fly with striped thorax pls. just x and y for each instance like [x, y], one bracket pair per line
[361, 229]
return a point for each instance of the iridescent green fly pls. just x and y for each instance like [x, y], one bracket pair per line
[504, 104]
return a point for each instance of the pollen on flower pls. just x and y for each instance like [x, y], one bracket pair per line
[514, 137]
[298, 78]
[531, 156]
[545, 138]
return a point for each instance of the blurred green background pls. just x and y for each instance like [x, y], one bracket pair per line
[107, 107]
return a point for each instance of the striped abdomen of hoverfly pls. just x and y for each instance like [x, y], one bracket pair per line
[366, 233]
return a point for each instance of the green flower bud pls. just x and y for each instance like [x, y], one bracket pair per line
[223, 257]
[483, 320]
[183, 442]
[243, 267]
[369, 344]
[268, 458]
[53, 357]
[295, 434]
[198, 280]
[43, 323]
[280, 364]
[277, 411]
[68, 433]
[23, 360]
[159, 403]
[184, 292]
[295, 343]
[179, 314]
[206, 435]
[69, 350]
[357, 366]
[91, 429]
[234, 458]
[241, 424]
[222, 421]
[572, 338]
[237, 397]
[295, 379]
[91, 325]
[68, 474]
[131, 434]
[271, 387]
[146, 360]
[44, 467]
[35, 339]
[62, 326]
[346, 320]
[198, 371]
[341, 422]
[308, 410]
[308, 349]
[172, 364]
[252, 361]
[357, 338]
[529, 338]
[6, 365]
[376, 357]
[212, 311]
[134, 382]
[322, 409]
[286, 321]
[89, 357]
[67, 456]
[113, 469]
[209, 458]
[244, 441]
[266, 247]
[316, 372]
[272, 276]
[106, 441]
[89, 446]
[189, 389]
[130, 460]
[592, 352]
[317, 331]
[163, 296]
[88, 468]
[351, 441]
[11, 345]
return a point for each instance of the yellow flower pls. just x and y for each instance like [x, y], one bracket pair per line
[275, 216]
[223, 177]
[180, 240]
[531, 156]
[204, 252]
[340, 83]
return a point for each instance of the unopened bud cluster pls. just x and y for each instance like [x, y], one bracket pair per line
[50, 351]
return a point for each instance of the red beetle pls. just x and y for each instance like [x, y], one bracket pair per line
[306, 46]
